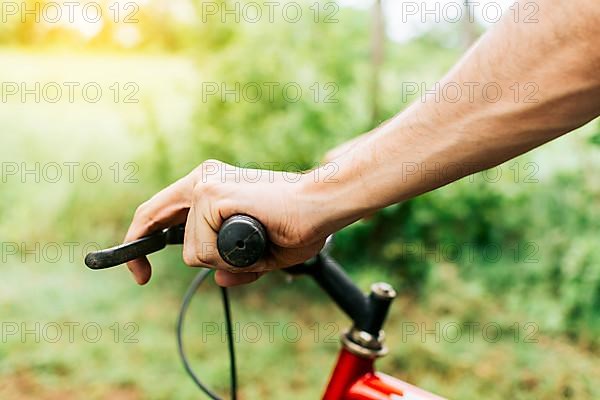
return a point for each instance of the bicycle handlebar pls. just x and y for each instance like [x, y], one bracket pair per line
[123, 253]
[368, 312]
[241, 242]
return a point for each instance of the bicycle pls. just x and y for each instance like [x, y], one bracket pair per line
[241, 242]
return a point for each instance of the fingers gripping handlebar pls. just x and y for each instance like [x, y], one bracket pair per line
[241, 242]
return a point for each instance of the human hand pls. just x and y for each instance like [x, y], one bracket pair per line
[213, 192]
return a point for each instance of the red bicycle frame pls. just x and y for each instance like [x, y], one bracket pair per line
[354, 378]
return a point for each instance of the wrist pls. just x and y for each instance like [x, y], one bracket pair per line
[332, 198]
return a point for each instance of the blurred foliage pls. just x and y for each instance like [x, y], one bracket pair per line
[439, 250]
[276, 128]
[101, 25]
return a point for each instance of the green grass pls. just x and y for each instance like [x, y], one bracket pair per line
[270, 366]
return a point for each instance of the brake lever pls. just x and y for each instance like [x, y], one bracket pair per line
[123, 253]
[241, 242]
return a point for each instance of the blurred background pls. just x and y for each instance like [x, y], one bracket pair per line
[104, 103]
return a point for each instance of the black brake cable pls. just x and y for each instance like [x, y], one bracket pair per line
[187, 298]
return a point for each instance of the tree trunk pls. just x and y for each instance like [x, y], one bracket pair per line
[377, 54]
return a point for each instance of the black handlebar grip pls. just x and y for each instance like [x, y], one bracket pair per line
[241, 241]
[123, 253]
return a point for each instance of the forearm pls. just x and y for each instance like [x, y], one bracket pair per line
[438, 141]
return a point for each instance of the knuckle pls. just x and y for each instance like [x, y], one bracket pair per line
[140, 210]
[209, 253]
[200, 254]
[190, 257]
[143, 217]
[197, 191]
[211, 187]
[203, 189]
[207, 170]
[209, 167]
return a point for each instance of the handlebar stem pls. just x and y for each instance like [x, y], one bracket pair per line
[367, 312]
